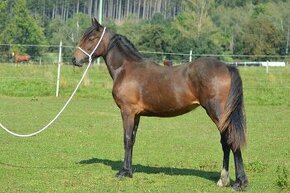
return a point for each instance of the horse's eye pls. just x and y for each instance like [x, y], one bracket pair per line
[91, 38]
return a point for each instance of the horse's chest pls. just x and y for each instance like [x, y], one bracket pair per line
[126, 93]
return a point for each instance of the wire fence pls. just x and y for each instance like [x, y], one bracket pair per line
[49, 54]
[259, 87]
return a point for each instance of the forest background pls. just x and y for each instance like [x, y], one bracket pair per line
[229, 28]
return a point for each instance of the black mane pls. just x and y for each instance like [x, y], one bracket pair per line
[125, 46]
[122, 42]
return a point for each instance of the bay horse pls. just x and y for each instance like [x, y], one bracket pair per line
[167, 62]
[21, 57]
[141, 87]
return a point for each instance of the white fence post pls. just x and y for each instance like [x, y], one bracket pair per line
[58, 69]
[190, 55]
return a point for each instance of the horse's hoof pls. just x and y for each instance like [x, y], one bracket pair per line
[240, 185]
[124, 173]
[224, 180]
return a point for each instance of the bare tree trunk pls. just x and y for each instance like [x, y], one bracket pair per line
[134, 9]
[96, 6]
[67, 13]
[165, 9]
[139, 9]
[53, 12]
[43, 12]
[111, 7]
[144, 9]
[90, 7]
[202, 15]
[120, 10]
[159, 6]
[232, 43]
[114, 11]
[62, 11]
[174, 11]
[149, 10]
[128, 8]
[78, 6]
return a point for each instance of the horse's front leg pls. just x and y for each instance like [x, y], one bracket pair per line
[130, 124]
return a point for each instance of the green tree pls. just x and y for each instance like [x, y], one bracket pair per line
[131, 28]
[196, 30]
[262, 38]
[231, 22]
[68, 32]
[3, 6]
[232, 3]
[279, 15]
[195, 19]
[22, 28]
[154, 38]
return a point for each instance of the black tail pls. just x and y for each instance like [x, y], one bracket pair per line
[233, 121]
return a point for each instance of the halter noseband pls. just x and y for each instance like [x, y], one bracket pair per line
[91, 54]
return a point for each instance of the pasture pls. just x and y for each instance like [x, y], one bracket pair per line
[83, 150]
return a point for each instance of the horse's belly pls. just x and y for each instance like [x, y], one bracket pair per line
[169, 110]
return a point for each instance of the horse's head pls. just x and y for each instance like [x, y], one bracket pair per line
[92, 44]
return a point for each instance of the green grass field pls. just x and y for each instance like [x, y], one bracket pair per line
[83, 150]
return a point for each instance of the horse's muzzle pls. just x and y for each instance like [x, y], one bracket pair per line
[76, 63]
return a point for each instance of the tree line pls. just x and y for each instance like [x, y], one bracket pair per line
[217, 27]
[114, 9]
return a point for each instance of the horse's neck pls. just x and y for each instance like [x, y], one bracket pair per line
[117, 60]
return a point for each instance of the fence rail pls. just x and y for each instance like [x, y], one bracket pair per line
[50, 55]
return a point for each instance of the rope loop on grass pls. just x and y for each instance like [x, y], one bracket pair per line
[67, 102]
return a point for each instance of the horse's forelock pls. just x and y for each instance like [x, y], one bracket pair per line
[88, 32]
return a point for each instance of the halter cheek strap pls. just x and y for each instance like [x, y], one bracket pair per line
[91, 54]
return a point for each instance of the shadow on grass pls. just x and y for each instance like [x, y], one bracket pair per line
[116, 165]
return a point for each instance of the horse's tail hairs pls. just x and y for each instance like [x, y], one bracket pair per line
[233, 121]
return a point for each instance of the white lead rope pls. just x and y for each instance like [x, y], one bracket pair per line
[67, 102]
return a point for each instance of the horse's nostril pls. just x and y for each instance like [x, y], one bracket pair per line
[74, 61]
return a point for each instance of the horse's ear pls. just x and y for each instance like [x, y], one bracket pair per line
[96, 24]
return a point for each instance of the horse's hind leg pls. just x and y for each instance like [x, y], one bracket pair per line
[225, 178]
[241, 178]
[214, 110]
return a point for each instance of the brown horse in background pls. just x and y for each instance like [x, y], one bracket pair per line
[141, 87]
[167, 62]
[21, 57]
